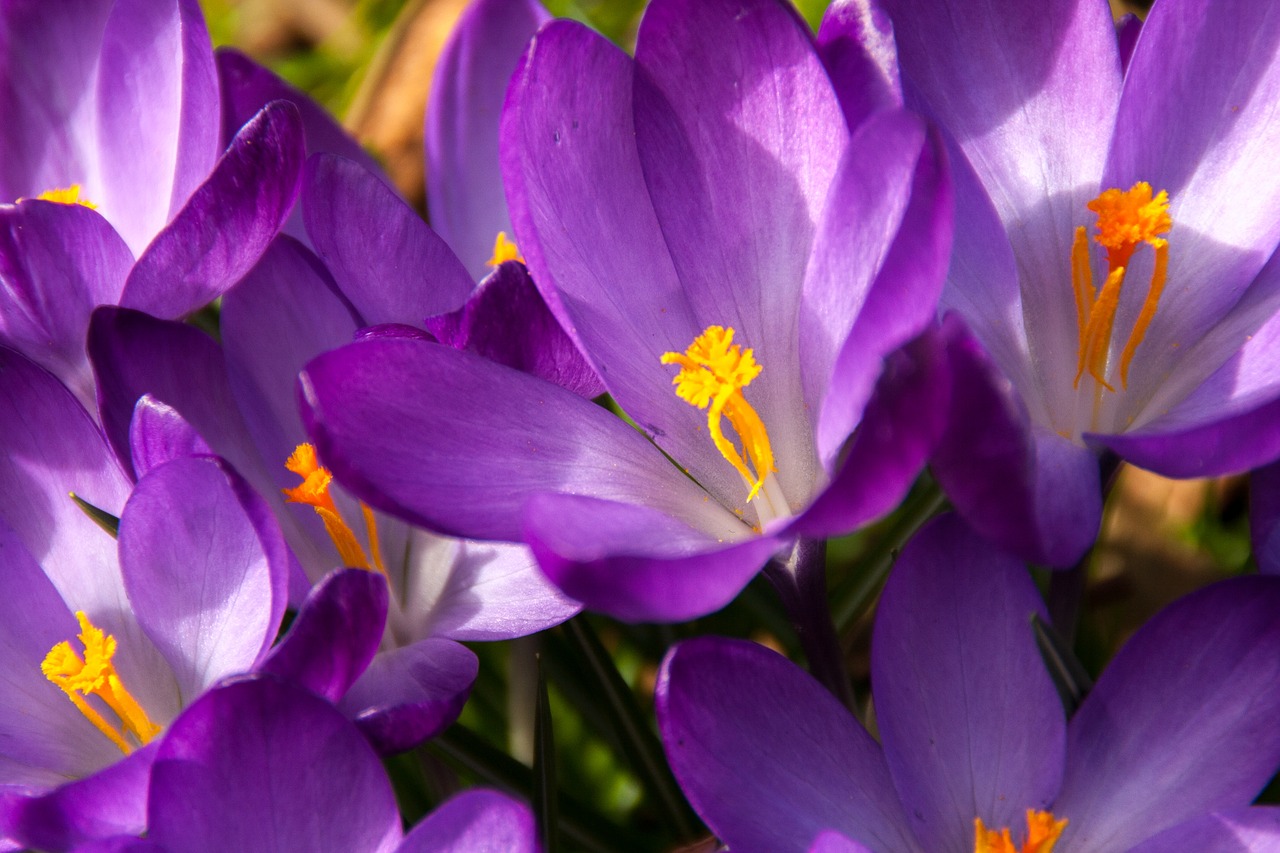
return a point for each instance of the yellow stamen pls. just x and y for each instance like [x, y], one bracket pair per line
[1126, 219]
[1043, 832]
[314, 492]
[504, 250]
[94, 674]
[67, 195]
[713, 372]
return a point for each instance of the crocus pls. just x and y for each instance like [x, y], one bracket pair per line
[114, 187]
[105, 642]
[697, 215]
[1164, 754]
[1112, 249]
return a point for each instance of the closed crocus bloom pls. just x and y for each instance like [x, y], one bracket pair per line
[106, 641]
[1112, 249]
[1166, 753]
[736, 268]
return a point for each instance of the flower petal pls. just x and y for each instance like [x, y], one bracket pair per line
[260, 764]
[1264, 516]
[1223, 832]
[971, 723]
[475, 820]
[465, 198]
[411, 693]
[159, 434]
[1177, 725]
[767, 757]
[227, 223]
[857, 48]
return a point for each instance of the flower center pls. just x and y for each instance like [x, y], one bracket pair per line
[1126, 219]
[94, 675]
[1043, 831]
[314, 492]
[67, 195]
[713, 372]
[504, 250]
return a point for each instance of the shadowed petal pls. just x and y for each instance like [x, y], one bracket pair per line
[1264, 515]
[857, 48]
[473, 821]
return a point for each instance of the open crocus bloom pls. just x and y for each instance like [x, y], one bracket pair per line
[1112, 249]
[698, 215]
[1165, 754]
[105, 642]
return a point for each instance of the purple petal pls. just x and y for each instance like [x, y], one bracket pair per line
[634, 562]
[857, 48]
[971, 723]
[1264, 515]
[767, 757]
[412, 693]
[1225, 832]
[226, 225]
[1127, 31]
[887, 222]
[205, 567]
[57, 261]
[1177, 725]
[386, 261]
[112, 802]
[475, 820]
[465, 198]
[335, 634]
[457, 444]
[53, 448]
[1033, 492]
[260, 764]
[159, 434]
[506, 320]
[900, 429]
[466, 590]
[833, 842]
[157, 115]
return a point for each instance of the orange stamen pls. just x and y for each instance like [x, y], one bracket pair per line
[313, 491]
[504, 250]
[1043, 832]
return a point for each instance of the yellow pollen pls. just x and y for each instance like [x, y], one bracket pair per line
[504, 250]
[1043, 831]
[313, 491]
[1126, 219]
[95, 675]
[67, 195]
[713, 372]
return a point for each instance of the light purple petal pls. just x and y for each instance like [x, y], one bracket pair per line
[335, 634]
[205, 567]
[506, 320]
[1181, 722]
[475, 821]
[57, 261]
[833, 842]
[971, 723]
[900, 429]
[634, 562]
[458, 444]
[1239, 831]
[262, 765]
[465, 198]
[857, 48]
[384, 258]
[466, 590]
[1033, 492]
[157, 115]
[227, 223]
[159, 434]
[412, 693]
[767, 757]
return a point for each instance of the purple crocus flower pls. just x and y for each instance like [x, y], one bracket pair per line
[111, 113]
[1166, 752]
[260, 765]
[707, 191]
[105, 642]
[1111, 258]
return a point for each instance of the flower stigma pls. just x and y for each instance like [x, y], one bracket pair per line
[95, 675]
[67, 195]
[313, 491]
[713, 372]
[504, 250]
[1126, 219]
[1043, 831]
